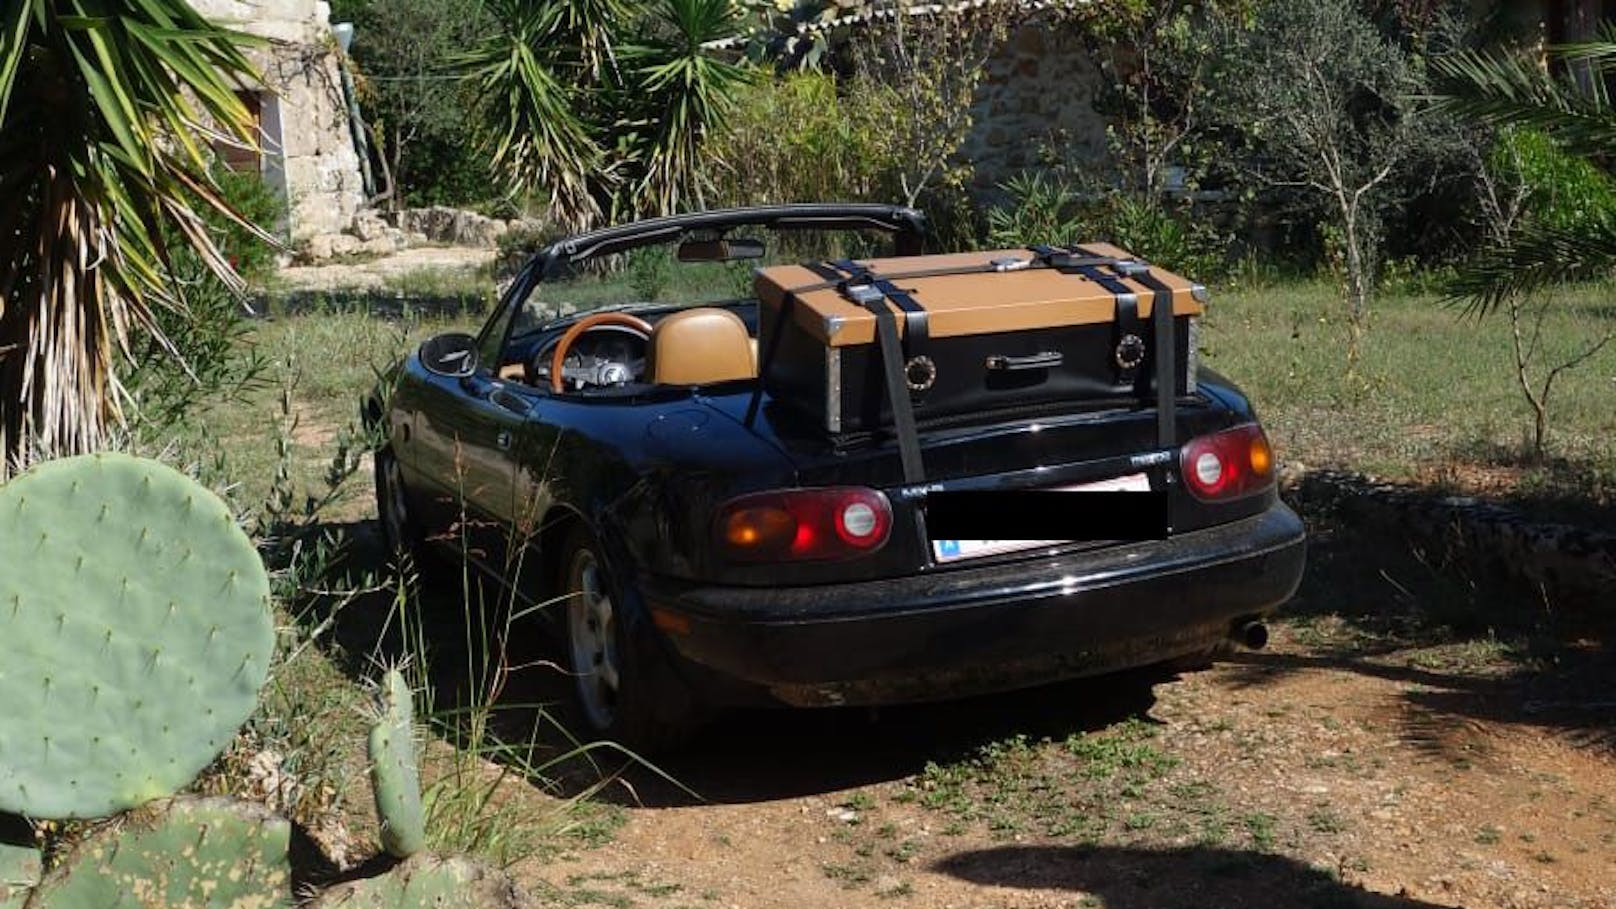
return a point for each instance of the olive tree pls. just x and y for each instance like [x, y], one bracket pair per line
[1325, 104]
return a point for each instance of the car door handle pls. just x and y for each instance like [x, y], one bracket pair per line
[503, 440]
[502, 398]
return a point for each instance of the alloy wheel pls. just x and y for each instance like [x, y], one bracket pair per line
[592, 636]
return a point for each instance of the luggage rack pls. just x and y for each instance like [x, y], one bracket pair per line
[877, 293]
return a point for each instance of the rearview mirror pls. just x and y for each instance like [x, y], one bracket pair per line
[720, 250]
[453, 355]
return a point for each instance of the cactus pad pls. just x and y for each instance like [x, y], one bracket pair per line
[394, 772]
[137, 634]
[428, 882]
[191, 854]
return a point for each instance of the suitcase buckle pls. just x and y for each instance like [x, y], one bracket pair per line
[863, 294]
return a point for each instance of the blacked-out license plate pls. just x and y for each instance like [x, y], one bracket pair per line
[973, 523]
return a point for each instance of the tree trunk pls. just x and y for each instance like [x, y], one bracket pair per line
[1357, 289]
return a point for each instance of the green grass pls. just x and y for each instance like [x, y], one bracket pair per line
[1435, 393]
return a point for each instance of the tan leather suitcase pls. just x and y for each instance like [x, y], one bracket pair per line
[979, 332]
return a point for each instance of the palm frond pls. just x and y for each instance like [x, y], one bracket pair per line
[1512, 89]
[1537, 257]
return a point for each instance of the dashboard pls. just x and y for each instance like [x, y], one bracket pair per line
[604, 357]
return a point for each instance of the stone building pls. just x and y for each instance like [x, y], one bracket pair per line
[1037, 93]
[307, 151]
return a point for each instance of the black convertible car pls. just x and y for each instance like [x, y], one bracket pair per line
[710, 541]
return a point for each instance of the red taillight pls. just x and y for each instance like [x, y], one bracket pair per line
[800, 524]
[1229, 464]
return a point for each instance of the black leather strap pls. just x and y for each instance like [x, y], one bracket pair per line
[1164, 350]
[903, 414]
[1125, 324]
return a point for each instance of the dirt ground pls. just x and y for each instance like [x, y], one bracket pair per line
[1412, 737]
[1375, 755]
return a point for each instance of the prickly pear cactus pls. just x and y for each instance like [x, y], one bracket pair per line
[190, 854]
[428, 881]
[394, 771]
[137, 633]
[20, 866]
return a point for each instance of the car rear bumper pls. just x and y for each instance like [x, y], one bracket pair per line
[975, 629]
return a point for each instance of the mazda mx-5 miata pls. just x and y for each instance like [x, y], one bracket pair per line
[605, 445]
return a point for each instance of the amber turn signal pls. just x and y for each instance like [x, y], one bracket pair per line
[755, 528]
[1262, 457]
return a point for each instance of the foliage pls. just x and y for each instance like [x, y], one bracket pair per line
[404, 51]
[681, 93]
[1575, 238]
[795, 138]
[1552, 150]
[211, 358]
[931, 65]
[1158, 58]
[1045, 209]
[601, 105]
[1322, 102]
[1562, 191]
[1040, 209]
[97, 150]
[516, 247]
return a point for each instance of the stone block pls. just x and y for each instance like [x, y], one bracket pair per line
[368, 225]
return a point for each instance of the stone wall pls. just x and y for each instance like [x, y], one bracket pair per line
[309, 155]
[1038, 93]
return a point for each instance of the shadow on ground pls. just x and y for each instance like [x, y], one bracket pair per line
[1188, 878]
[1534, 667]
[740, 756]
[761, 755]
[1468, 646]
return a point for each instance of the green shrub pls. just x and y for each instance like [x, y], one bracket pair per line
[1044, 209]
[519, 245]
[1039, 209]
[795, 139]
[209, 332]
[1563, 191]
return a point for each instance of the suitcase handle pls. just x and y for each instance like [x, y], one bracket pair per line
[1049, 359]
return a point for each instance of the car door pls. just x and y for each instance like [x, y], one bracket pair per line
[465, 429]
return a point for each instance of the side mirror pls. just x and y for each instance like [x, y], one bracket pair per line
[453, 355]
[725, 250]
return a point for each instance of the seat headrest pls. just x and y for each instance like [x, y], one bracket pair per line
[699, 347]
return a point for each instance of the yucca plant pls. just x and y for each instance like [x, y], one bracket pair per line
[1569, 102]
[106, 111]
[600, 105]
[684, 91]
[529, 76]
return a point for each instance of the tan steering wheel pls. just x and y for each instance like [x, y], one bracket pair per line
[594, 320]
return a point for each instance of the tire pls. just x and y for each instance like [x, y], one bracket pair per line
[400, 531]
[623, 688]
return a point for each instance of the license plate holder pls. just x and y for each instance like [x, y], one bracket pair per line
[956, 550]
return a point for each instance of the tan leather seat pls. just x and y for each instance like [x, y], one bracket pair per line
[699, 347]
